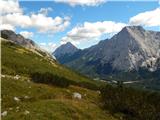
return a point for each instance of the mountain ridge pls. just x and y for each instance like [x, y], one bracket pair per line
[18, 39]
[131, 49]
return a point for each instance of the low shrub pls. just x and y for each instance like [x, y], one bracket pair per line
[134, 104]
[49, 78]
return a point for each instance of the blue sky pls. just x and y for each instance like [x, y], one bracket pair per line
[80, 16]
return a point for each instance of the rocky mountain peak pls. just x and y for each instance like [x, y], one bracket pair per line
[67, 48]
[130, 49]
[134, 28]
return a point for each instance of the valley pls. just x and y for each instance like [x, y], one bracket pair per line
[33, 87]
[80, 60]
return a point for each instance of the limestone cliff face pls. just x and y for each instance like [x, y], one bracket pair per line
[130, 49]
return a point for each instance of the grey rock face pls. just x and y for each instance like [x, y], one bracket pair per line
[27, 43]
[132, 48]
[67, 48]
[18, 39]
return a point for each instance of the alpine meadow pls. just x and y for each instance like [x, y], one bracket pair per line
[80, 60]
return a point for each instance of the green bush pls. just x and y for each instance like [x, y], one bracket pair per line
[134, 104]
[49, 78]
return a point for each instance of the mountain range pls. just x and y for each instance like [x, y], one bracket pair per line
[37, 87]
[18, 39]
[133, 51]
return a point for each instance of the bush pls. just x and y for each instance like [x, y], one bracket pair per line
[134, 104]
[49, 78]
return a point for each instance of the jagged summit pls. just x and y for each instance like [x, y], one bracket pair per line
[67, 48]
[69, 44]
[134, 27]
[130, 49]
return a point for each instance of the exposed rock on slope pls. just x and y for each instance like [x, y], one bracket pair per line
[129, 50]
[18, 39]
[27, 43]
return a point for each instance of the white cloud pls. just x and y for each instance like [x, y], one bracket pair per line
[50, 47]
[82, 2]
[45, 10]
[42, 44]
[26, 34]
[7, 27]
[43, 23]
[17, 19]
[91, 31]
[39, 21]
[148, 18]
[9, 6]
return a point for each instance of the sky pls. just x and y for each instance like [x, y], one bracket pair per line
[81, 22]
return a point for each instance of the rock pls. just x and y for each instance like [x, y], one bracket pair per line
[99, 92]
[3, 76]
[26, 112]
[16, 77]
[16, 99]
[77, 95]
[28, 81]
[4, 113]
[26, 97]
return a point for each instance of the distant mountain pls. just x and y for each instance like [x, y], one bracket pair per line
[18, 39]
[131, 50]
[22, 41]
[64, 51]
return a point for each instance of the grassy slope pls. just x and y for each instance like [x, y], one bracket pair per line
[45, 102]
[17, 60]
[49, 102]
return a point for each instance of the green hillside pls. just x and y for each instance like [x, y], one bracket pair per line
[21, 61]
[45, 102]
[24, 99]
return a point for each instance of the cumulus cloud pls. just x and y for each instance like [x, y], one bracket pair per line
[16, 19]
[148, 18]
[91, 31]
[39, 21]
[26, 34]
[50, 47]
[45, 10]
[7, 27]
[82, 2]
[10, 6]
